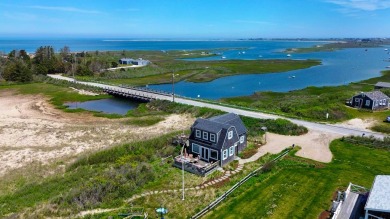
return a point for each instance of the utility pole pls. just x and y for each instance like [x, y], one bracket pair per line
[182, 168]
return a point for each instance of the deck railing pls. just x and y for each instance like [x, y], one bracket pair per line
[194, 168]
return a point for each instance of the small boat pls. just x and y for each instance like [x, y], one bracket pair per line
[292, 76]
[288, 55]
[388, 66]
[386, 49]
[243, 52]
[223, 57]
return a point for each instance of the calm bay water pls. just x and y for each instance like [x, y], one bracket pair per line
[110, 106]
[338, 67]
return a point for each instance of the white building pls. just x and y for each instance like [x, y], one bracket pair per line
[378, 203]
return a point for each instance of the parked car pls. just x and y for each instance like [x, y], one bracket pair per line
[387, 119]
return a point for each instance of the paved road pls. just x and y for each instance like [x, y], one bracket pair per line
[310, 125]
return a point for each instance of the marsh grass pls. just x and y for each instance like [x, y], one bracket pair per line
[313, 103]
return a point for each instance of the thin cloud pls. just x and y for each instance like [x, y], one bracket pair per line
[361, 5]
[253, 22]
[65, 9]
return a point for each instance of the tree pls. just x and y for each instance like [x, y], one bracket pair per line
[46, 57]
[114, 64]
[83, 70]
[17, 70]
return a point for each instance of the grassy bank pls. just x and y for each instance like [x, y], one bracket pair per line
[301, 188]
[345, 44]
[164, 63]
[313, 103]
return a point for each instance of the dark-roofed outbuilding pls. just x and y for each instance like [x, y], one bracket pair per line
[381, 85]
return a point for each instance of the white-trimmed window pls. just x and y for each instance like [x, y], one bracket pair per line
[230, 134]
[231, 151]
[380, 102]
[205, 135]
[368, 102]
[225, 154]
[212, 137]
[198, 134]
[242, 139]
[213, 154]
[195, 148]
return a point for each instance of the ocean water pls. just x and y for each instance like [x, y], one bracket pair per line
[337, 68]
[30, 45]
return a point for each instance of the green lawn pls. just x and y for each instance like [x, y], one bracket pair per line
[300, 188]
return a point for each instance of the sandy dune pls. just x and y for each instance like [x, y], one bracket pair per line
[31, 130]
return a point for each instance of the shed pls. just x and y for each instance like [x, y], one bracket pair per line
[381, 85]
[378, 204]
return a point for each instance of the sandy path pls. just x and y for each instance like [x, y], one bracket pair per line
[32, 131]
[315, 145]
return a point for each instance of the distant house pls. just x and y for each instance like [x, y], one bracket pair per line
[218, 139]
[381, 85]
[378, 203]
[374, 100]
[129, 61]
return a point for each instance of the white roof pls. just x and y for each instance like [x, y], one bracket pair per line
[379, 198]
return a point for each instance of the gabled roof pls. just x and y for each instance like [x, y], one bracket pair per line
[217, 123]
[231, 119]
[382, 84]
[210, 126]
[375, 95]
[379, 198]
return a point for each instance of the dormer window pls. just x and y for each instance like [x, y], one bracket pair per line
[205, 135]
[212, 137]
[230, 134]
[198, 134]
[242, 139]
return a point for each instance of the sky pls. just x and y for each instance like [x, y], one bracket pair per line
[195, 19]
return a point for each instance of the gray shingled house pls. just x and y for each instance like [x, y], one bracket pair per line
[218, 139]
[381, 85]
[374, 100]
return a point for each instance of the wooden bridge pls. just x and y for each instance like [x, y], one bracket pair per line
[140, 94]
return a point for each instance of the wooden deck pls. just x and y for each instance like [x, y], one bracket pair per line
[195, 165]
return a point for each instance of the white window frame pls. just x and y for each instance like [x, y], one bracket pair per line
[230, 134]
[231, 151]
[242, 139]
[225, 154]
[368, 102]
[216, 158]
[205, 135]
[198, 133]
[199, 148]
[212, 137]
